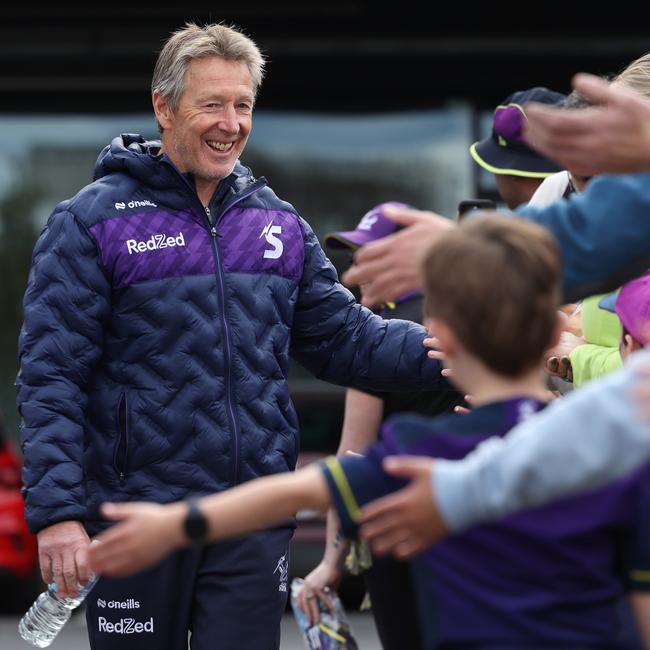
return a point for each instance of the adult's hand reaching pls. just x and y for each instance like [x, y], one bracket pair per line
[613, 136]
[408, 521]
[63, 556]
[390, 267]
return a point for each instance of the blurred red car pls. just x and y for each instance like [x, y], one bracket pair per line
[19, 575]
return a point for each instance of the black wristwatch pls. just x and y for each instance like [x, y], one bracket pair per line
[195, 524]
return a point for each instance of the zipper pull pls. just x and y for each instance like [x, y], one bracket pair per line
[213, 231]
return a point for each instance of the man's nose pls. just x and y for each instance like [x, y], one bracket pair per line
[228, 121]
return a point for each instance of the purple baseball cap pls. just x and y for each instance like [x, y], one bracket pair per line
[373, 225]
[632, 305]
[505, 151]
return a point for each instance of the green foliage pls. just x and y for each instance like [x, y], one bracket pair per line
[17, 237]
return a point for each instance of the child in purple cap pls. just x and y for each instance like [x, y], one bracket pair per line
[387, 580]
[632, 306]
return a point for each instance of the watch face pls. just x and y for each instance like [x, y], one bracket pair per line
[196, 526]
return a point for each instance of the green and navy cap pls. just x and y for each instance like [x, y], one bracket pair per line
[504, 151]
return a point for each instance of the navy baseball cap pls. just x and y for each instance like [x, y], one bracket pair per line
[504, 151]
[373, 225]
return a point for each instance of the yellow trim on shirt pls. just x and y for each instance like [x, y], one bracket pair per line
[640, 576]
[342, 485]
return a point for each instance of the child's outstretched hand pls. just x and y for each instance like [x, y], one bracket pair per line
[147, 532]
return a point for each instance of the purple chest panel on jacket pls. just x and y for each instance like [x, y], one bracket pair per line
[262, 241]
[146, 246]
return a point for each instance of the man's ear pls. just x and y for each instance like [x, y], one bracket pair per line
[162, 109]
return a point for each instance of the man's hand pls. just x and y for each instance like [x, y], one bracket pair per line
[147, 532]
[434, 352]
[613, 136]
[63, 556]
[390, 267]
[407, 522]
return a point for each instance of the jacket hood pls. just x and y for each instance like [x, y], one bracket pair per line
[132, 154]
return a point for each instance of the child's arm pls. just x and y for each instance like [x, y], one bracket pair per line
[147, 532]
[640, 603]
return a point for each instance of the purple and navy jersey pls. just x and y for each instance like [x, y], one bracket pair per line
[550, 575]
[157, 337]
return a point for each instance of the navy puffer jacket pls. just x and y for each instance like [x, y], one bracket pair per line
[156, 338]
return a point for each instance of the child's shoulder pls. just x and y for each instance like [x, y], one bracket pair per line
[406, 430]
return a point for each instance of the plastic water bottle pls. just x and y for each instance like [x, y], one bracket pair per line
[49, 613]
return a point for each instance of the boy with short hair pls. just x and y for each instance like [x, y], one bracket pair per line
[540, 579]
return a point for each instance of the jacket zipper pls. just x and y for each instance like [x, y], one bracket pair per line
[212, 229]
[121, 451]
[224, 320]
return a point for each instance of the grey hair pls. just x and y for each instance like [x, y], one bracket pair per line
[195, 42]
[636, 76]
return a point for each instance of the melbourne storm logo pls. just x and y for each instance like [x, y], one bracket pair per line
[282, 568]
[269, 233]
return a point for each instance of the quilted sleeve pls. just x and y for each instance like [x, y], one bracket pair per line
[339, 340]
[65, 307]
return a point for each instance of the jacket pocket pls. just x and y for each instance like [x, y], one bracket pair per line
[120, 457]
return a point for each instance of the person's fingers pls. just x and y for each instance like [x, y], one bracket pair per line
[327, 600]
[388, 540]
[461, 410]
[383, 288]
[301, 600]
[362, 273]
[312, 608]
[407, 466]
[45, 562]
[117, 511]
[599, 91]
[81, 565]
[69, 575]
[57, 571]
[436, 355]
[565, 366]
[378, 516]
[402, 216]
[447, 372]
[409, 548]
[469, 399]
[373, 251]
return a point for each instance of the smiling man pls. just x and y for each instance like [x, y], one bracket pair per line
[163, 304]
